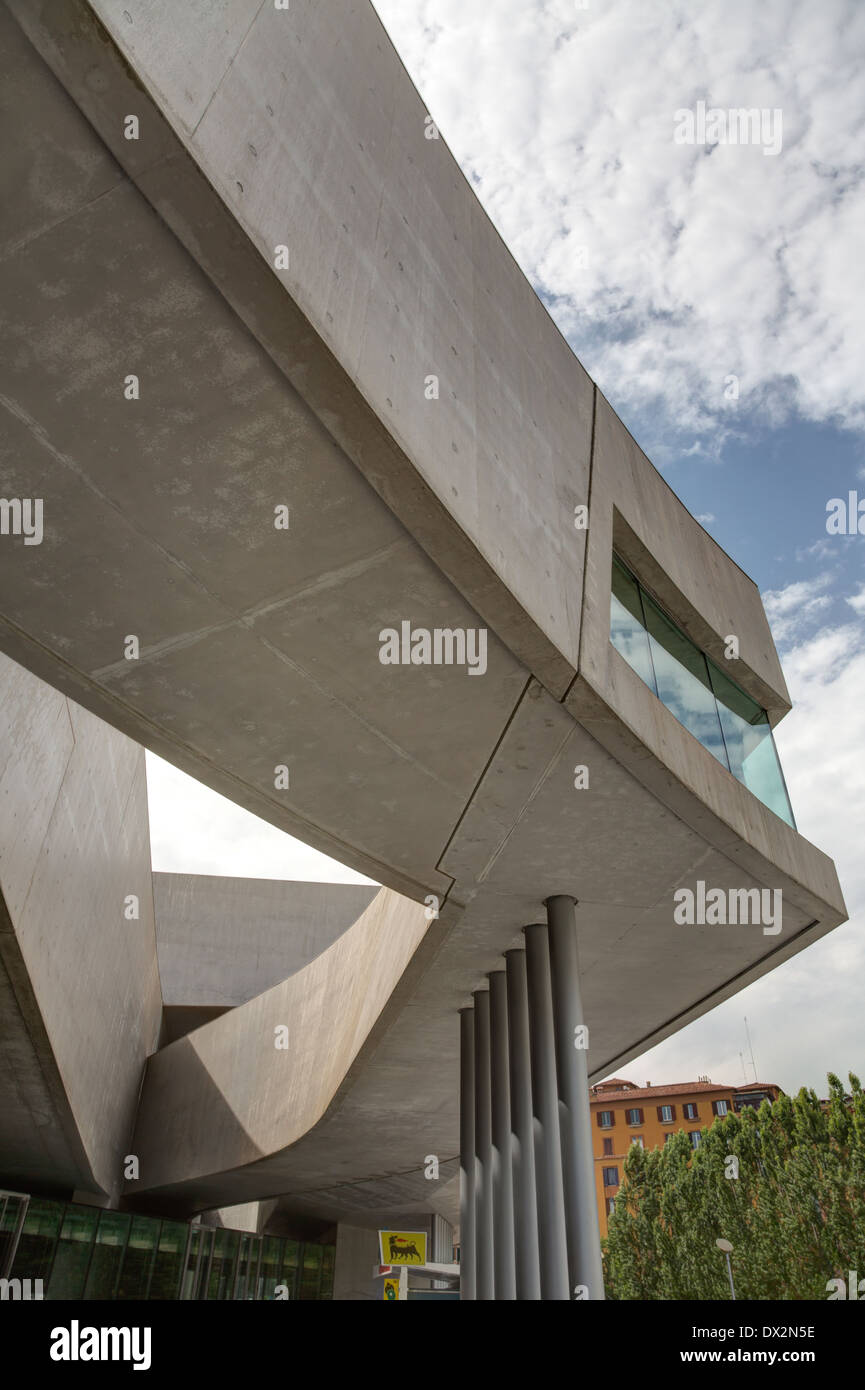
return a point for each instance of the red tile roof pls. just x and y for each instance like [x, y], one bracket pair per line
[676, 1088]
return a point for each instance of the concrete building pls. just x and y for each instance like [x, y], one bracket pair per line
[304, 491]
[624, 1113]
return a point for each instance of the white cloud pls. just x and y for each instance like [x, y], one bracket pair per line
[700, 262]
[793, 609]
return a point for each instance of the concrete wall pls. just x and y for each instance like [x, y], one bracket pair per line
[221, 941]
[74, 843]
[396, 273]
[226, 1096]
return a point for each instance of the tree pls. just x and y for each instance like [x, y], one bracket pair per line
[792, 1204]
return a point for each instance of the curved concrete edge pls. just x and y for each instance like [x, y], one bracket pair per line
[87, 51]
[231, 1093]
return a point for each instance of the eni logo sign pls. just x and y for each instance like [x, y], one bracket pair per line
[402, 1247]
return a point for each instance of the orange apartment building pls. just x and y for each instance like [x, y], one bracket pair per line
[624, 1113]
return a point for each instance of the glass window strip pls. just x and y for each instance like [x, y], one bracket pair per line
[765, 777]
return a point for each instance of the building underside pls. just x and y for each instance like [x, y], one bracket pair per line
[281, 260]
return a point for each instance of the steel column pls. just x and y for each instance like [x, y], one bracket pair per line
[483, 1149]
[528, 1271]
[468, 1258]
[585, 1268]
[545, 1104]
[503, 1177]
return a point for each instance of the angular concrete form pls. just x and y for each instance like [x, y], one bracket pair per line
[285, 263]
[81, 1004]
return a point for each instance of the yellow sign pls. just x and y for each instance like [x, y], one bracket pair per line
[391, 1289]
[403, 1247]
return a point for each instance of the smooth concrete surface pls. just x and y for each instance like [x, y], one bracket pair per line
[250, 1084]
[82, 1001]
[221, 941]
[259, 647]
[394, 267]
[249, 1216]
[264, 387]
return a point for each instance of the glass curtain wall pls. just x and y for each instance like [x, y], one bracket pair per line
[82, 1252]
[703, 698]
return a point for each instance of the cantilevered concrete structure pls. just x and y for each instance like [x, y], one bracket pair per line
[280, 293]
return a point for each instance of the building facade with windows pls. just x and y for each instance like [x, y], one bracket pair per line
[624, 1114]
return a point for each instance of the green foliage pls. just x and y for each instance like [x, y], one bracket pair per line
[795, 1215]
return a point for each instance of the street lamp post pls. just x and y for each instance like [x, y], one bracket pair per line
[728, 1250]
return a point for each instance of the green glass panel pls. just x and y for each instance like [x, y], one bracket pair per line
[310, 1284]
[222, 1268]
[289, 1273]
[256, 1246]
[268, 1270]
[74, 1248]
[201, 1279]
[733, 727]
[188, 1287]
[168, 1264]
[328, 1257]
[11, 1207]
[38, 1239]
[750, 745]
[627, 628]
[682, 678]
[138, 1260]
[111, 1237]
[239, 1293]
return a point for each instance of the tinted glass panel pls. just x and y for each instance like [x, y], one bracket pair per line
[203, 1267]
[702, 697]
[38, 1239]
[268, 1272]
[138, 1261]
[223, 1265]
[683, 680]
[111, 1238]
[627, 628]
[290, 1268]
[242, 1268]
[328, 1256]
[750, 745]
[165, 1280]
[188, 1286]
[12, 1207]
[311, 1281]
[73, 1253]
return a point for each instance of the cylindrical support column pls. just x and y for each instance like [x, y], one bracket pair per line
[483, 1149]
[585, 1268]
[503, 1177]
[528, 1271]
[468, 1257]
[545, 1103]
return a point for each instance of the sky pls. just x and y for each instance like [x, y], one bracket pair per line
[716, 293]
